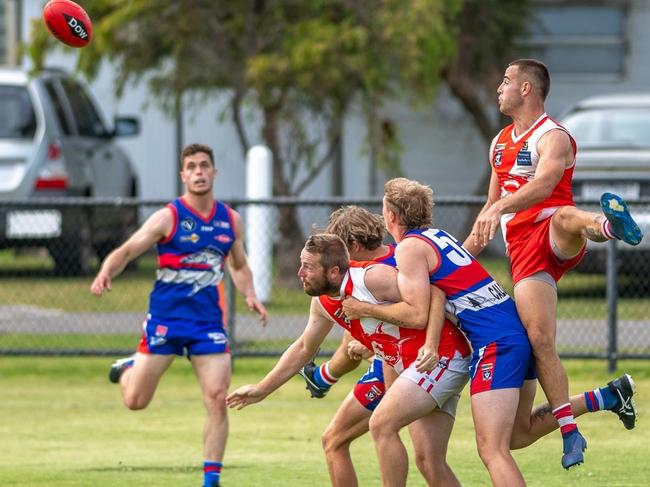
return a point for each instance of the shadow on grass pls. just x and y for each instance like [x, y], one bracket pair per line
[160, 468]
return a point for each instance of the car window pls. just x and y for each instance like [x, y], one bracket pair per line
[64, 123]
[610, 128]
[18, 120]
[88, 121]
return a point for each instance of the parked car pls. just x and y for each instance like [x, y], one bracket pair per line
[613, 136]
[54, 142]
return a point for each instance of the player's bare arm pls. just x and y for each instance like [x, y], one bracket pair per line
[291, 361]
[555, 153]
[472, 243]
[428, 355]
[413, 284]
[156, 228]
[241, 273]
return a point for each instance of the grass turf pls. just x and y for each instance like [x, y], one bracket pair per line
[62, 424]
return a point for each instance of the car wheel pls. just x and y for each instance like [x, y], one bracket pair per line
[72, 252]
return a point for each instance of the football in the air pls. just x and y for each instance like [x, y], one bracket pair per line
[68, 22]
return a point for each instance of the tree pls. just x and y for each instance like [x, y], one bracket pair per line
[299, 63]
[487, 30]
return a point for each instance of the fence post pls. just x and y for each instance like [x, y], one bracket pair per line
[612, 301]
[259, 237]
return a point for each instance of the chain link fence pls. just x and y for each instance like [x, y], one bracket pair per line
[50, 250]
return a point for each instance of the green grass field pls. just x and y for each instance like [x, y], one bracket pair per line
[62, 424]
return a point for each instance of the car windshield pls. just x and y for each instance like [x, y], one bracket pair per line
[610, 128]
[17, 120]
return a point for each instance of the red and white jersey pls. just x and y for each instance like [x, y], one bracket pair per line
[397, 346]
[514, 159]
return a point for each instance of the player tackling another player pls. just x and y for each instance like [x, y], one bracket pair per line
[502, 388]
[328, 276]
[195, 236]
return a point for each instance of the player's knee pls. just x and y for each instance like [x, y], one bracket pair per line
[424, 464]
[562, 218]
[135, 401]
[379, 426]
[489, 450]
[215, 399]
[541, 340]
[331, 441]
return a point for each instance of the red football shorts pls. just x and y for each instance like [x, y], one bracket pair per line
[530, 252]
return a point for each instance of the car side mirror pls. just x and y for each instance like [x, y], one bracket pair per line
[126, 126]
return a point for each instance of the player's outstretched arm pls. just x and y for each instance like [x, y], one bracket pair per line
[291, 361]
[472, 243]
[157, 227]
[241, 273]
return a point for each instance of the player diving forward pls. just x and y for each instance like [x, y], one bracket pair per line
[328, 276]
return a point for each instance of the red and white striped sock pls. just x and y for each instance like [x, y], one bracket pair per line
[564, 416]
[326, 375]
[606, 229]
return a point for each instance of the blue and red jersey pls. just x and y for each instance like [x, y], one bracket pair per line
[191, 263]
[483, 309]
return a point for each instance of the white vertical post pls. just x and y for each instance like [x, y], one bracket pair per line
[259, 218]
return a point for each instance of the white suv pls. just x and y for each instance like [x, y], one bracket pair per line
[54, 142]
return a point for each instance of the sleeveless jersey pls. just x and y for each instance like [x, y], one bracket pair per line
[514, 159]
[397, 346]
[483, 310]
[191, 263]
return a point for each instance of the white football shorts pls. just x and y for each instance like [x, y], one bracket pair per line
[444, 383]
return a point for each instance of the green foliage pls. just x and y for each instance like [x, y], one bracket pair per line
[296, 61]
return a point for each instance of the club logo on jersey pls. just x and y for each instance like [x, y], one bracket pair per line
[486, 371]
[190, 238]
[498, 153]
[204, 268]
[224, 239]
[161, 330]
[341, 316]
[188, 224]
[387, 346]
[524, 157]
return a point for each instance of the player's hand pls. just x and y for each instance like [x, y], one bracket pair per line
[245, 395]
[101, 283]
[486, 225]
[357, 351]
[352, 308]
[427, 359]
[255, 304]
